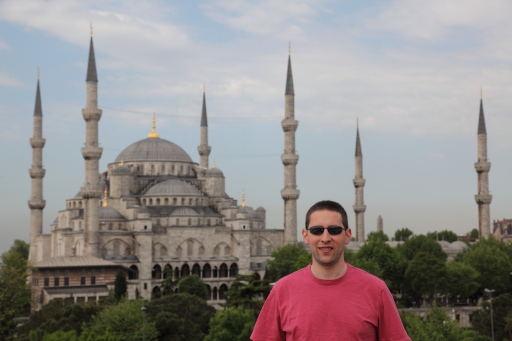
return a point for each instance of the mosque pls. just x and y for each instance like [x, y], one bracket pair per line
[156, 212]
[152, 213]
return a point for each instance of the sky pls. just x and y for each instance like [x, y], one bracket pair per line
[410, 72]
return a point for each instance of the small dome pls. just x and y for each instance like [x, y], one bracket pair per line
[109, 213]
[214, 173]
[444, 244]
[458, 245]
[121, 170]
[184, 211]
[260, 209]
[153, 149]
[172, 187]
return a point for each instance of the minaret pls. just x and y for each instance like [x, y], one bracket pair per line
[290, 193]
[483, 198]
[380, 224]
[36, 202]
[359, 181]
[204, 149]
[91, 190]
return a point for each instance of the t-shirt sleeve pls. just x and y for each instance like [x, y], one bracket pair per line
[268, 326]
[390, 324]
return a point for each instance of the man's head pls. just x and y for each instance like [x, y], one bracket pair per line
[329, 206]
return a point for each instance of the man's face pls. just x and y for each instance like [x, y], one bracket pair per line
[326, 249]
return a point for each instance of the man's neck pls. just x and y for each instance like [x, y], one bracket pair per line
[328, 272]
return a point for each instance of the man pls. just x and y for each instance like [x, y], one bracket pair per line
[329, 299]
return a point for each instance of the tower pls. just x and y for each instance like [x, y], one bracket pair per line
[482, 166]
[290, 193]
[36, 202]
[204, 149]
[91, 191]
[359, 181]
[380, 224]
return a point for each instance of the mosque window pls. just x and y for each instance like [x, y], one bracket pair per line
[177, 273]
[177, 221]
[207, 271]
[196, 270]
[216, 251]
[158, 201]
[47, 278]
[233, 270]
[66, 278]
[269, 249]
[197, 201]
[223, 271]
[182, 201]
[174, 201]
[189, 221]
[181, 169]
[190, 201]
[227, 251]
[185, 270]
[82, 277]
[208, 222]
[222, 291]
[259, 247]
[190, 246]
[214, 272]
[201, 251]
[163, 252]
[145, 286]
[157, 272]
[56, 279]
[93, 277]
[214, 294]
[166, 201]
[127, 252]
[80, 204]
[178, 251]
[134, 274]
[152, 172]
[150, 201]
[116, 248]
[162, 170]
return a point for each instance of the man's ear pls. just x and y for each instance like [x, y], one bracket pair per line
[305, 236]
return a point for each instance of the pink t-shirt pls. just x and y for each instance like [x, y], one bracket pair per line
[356, 306]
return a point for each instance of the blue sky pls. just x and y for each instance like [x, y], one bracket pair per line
[409, 71]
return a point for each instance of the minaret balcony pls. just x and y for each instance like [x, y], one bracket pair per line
[290, 194]
[289, 159]
[483, 199]
[289, 125]
[36, 204]
[359, 208]
[93, 114]
[91, 192]
[37, 142]
[482, 166]
[359, 182]
[204, 150]
[37, 173]
[92, 153]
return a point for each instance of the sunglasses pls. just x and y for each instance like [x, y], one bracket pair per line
[319, 230]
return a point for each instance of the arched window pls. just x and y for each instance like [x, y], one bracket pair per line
[174, 201]
[177, 221]
[172, 169]
[134, 273]
[216, 250]
[190, 201]
[256, 276]
[227, 251]
[162, 170]
[176, 273]
[156, 292]
[214, 272]
[157, 272]
[150, 201]
[158, 201]
[166, 201]
[201, 250]
[207, 271]
[178, 251]
[196, 270]
[127, 252]
[233, 270]
[259, 247]
[163, 251]
[185, 270]
[189, 222]
[152, 169]
[223, 271]
[209, 292]
[197, 202]
[116, 248]
[214, 297]
[222, 291]
[190, 247]
[167, 271]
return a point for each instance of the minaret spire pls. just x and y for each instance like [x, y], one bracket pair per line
[290, 193]
[204, 149]
[91, 191]
[482, 167]
[359, 182]
[37, 172]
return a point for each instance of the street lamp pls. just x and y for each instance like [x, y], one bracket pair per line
[490, 291]
[144, 323]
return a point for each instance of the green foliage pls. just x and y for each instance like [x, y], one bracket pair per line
[120, 286]
[426, 274]
[285, 260]
[502, 317]
[248, 293]
[493, 260]
[232, 324]
[193, 285]
[180, 317]
[15, 296]
[402, 234]
[445, 235]
[368, 265]
[168, 284]
[58, 315]
[126, 320]
[473, 234]
[421, 243]
[376, 236]
[461, 280]
[71, 336]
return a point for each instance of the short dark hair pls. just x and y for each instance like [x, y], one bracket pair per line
[329, 206]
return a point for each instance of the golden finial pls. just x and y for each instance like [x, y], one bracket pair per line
[90, 23]
[153, 134]
[105, 198]
[481, 93]
[121, 163]
[243, 198]
[289, 47]
[214, 165]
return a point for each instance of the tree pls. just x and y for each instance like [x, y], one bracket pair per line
[15, 295]
[426, 275]
[473, 234]
[168, 284]
[232, 324]
[461, 280]
[402, 234]
[445, 235]
[248, 293]
[120, 286]
[285, 260]
[502, 308]
[421, 243]
[126, 320]
[193, 285]
[180, 317]
[375, 236]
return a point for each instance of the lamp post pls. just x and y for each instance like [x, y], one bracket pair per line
[490, 291]
[143, 309]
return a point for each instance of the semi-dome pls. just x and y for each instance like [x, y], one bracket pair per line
[172, 187]
[153, 149]
[184, 211]
[109, 213]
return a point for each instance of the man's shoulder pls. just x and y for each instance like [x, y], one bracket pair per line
[292, 278]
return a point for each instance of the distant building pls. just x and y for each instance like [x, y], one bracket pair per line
[502, 229]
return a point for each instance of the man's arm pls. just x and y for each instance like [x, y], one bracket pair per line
[390, 327]
[268, 326]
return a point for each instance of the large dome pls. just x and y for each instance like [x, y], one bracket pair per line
[153, 149]
[172, 187]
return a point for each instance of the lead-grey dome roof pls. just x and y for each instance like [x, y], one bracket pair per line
[153, 149]
[109, 213]
[214, 172]
[121, 170]
[173, 187]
